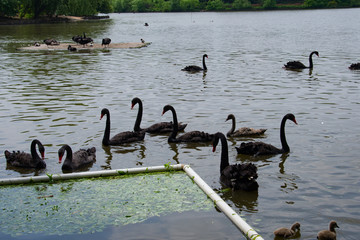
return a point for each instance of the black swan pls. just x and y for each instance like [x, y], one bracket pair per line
[76, 160]
[26, 160]
[298, 65]
[328, 234]
[237, 176]
[193, 136]
[120, 138]
[287, 233]
[244, 131]
[260, 148]
[193, 68]
[51, 42]
[162, 127]
[355, 66]
[85, 40]
[76, 39]
[71, 49]
[105, 42]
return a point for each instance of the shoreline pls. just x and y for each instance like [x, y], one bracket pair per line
[44, 20]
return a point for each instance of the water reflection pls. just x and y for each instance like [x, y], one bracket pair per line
[243, 200]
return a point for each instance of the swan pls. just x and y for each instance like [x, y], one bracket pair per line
[85, 40]
[193, 68]
[328, 234]
[76, 38]
[76, 160]
[26, 160]
[260, 148]
[193, 136]
[120, 138]
[244, 131]
[298, 65]
[106, 42]
[162, 127]
[51, 42]
[237, 176]
[355, 66]
[287, 233]
[71, 49]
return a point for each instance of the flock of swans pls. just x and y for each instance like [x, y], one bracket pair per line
[236, 176]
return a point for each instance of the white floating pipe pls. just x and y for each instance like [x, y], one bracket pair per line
[103, 173]
[248, 231]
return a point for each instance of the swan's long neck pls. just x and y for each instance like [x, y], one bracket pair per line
[310, 60]
[69, 157]
[233, 126]
[285, 146]
[33, 151]
[203, 62]
[224, 153]
[138, 118]
[172, 137]
[106, 137]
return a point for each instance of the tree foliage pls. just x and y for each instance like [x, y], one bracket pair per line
[37, 8]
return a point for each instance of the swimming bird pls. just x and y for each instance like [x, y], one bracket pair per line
[244, 131]
[26, 160]
[106, 42]
[237, 176]
[76, 160]
[294, 65]
[142, 40]
[287, 233]
[261, 148]
[120, 138]
[193, 136]
[161, 127]
[194, 68]
[355, 66]
[71, 49]
[328, 234]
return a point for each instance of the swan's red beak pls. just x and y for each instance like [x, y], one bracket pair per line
[214, 148]
[43, 155]
[101, 116]
[60, 157]
[132, 106]
[294, 120]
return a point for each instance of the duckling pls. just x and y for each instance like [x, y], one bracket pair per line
[328, 234]
[287, 233]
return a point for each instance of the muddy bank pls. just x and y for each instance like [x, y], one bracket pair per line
[64, 46]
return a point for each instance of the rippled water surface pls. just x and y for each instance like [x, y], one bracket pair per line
[57, 97]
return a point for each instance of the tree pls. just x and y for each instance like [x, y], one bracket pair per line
[215, 5]
[241, 4]
[269, 4]
[8, 7]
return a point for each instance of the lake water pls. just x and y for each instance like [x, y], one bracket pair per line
[57, 97]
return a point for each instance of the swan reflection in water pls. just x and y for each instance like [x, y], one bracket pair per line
[126, 148]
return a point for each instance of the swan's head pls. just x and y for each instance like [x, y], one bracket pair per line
[316, 53]
[134, 102]
[295, 226]
[205, 55]
[333, 225]
[291, 117]
[216, 140]
[167, 108]
[42, 151]
[104, 112]
[230, 116]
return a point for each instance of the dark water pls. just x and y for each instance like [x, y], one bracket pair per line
[57, 97]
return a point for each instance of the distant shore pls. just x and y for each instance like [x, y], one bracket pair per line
[56, 19]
